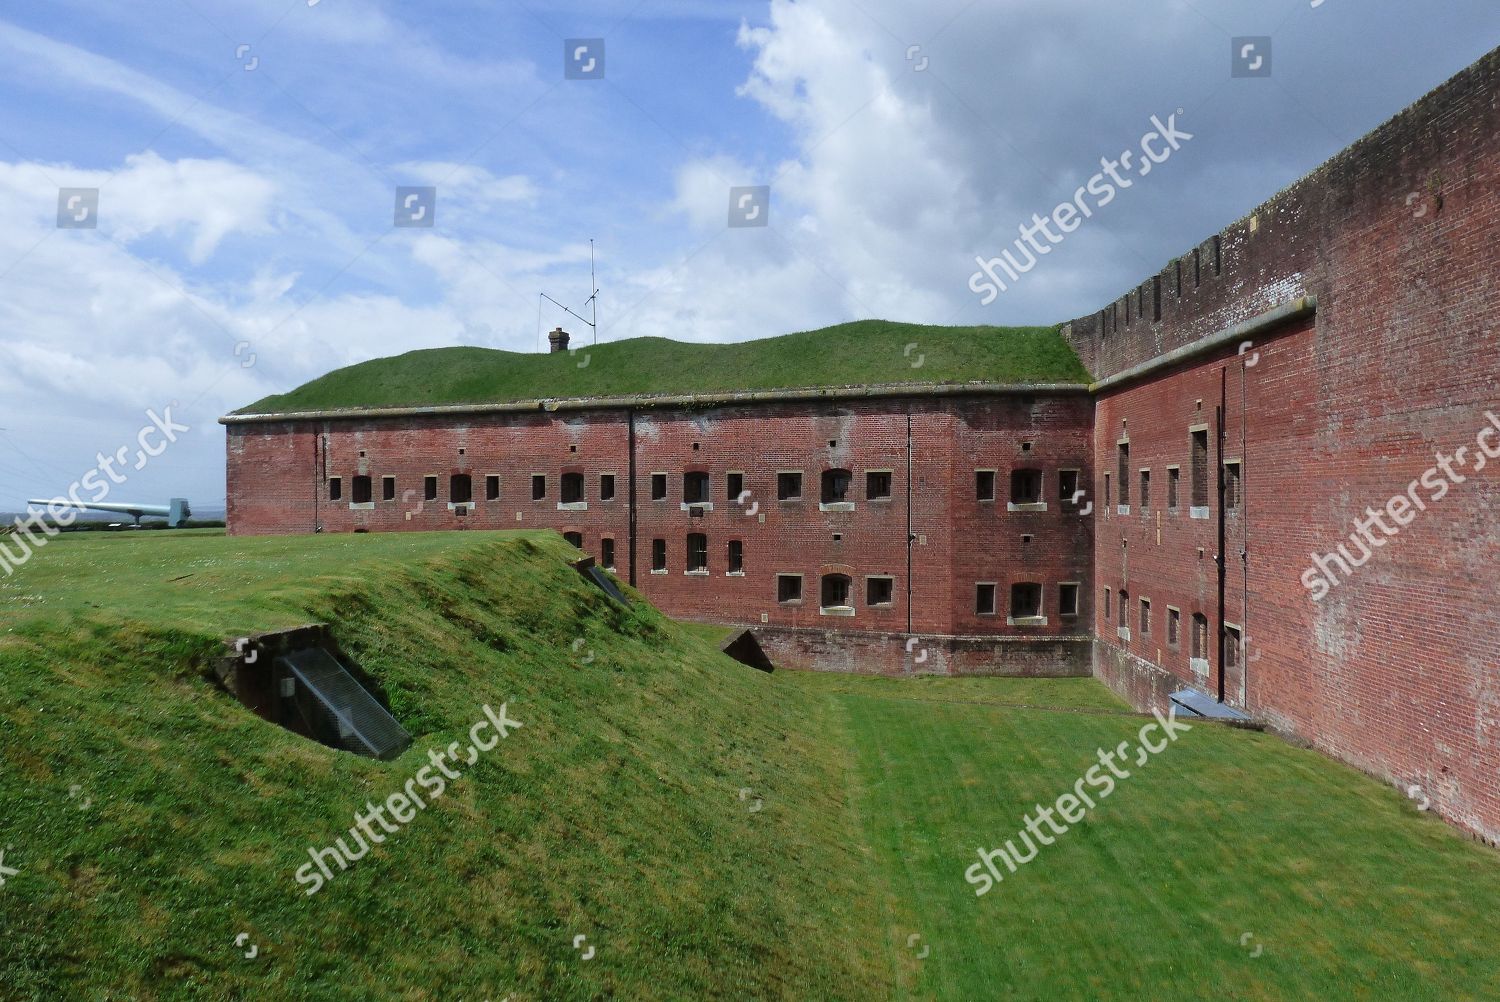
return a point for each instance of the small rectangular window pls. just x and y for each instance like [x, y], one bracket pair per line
[387, 488]
[1107, 597]
[538, 486]
[835, 486]
[736, 556]
[1145, 489]
[607, 553]
[335, 488]
[361, 490]
[492, 487]
[1174, 487]
[658, 554]
[984, 599]
[1124, 607]
[1232, 487]
[429, 488]
[1067, 486]
[1025, 600]
[1025, 486]
[1124, 458]
[788, 588]
[460, 488]
[575, 538]
[788, 486]
[606, 487]
[1232, 644]
[1200, 469]
[1067, 600]
[734, 486]
[1106, 493]
[695, 488]
[1174, 627]
[877, 485]
[1145, 617]
[880, 591]
[984, 485]
[658, 486]
[1200, 636]
[572, 488]
[697, 552]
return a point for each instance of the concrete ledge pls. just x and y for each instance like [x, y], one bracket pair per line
[1283, 314]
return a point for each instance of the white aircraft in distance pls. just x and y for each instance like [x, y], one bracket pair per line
[176, 513]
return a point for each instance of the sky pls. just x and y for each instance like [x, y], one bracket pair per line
[246, 156]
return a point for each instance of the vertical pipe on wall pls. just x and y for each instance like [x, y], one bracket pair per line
[1219, 558]
[630, 473]
[1245, 534]
[909, 536]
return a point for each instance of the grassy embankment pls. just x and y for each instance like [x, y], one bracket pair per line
[152, 819]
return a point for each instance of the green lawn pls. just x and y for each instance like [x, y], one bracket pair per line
[1229, 866]
[713, 831]
[853, 354]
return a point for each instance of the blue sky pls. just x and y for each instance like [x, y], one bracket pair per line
[246, 213]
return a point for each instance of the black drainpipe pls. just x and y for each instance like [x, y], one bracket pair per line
[909, 537]
[317, 481]
[630, 533]
[1223, 564]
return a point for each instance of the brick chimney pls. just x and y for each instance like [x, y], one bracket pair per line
[558, 339]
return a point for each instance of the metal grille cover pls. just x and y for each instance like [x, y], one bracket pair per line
[350, 716]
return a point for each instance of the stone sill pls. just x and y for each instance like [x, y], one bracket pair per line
[836, 610]
[662, 571]
[734, 574]
[364, 506]
[1199, 665]
[572, 506]
[835, 506]
[1123, 633]
[1198, 513]
[1123, 509]
[690, 505]
[465, 505]
[1026, 506]
[1025, 620]
[696, 574]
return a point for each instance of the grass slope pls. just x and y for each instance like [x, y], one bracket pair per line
[153, 819]
[860, 353]
[1226, 842]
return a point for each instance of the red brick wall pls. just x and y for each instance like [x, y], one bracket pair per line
[956, 540]
[1397, 670]
[895, 654]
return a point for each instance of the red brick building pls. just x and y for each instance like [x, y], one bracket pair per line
[908, 512]
[1331, 357]
[1325, 356]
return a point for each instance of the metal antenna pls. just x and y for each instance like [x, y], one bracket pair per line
[593, 299]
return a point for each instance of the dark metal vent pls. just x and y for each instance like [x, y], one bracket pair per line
[334, 707]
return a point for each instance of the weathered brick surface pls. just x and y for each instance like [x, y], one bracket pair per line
[1397, 671]
[897, 654]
